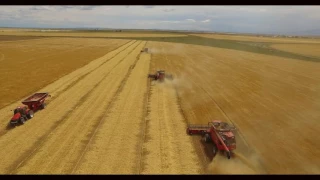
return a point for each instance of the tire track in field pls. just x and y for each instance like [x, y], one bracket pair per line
[16, 149]
[116, 144]
[64, 83]
[64, 149]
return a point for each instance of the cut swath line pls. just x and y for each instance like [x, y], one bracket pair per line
[184, 115]
[104, 115]
[78, 79]
[146, 108]
[42, 139]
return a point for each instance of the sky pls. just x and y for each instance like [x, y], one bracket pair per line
[238, 19]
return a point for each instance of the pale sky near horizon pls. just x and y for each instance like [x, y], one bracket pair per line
[250, 19]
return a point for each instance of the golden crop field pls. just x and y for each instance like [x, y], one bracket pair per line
[305, 49]
[273, 101]
[106, 117]
[259, 39]
[98, 121]
[27, 65]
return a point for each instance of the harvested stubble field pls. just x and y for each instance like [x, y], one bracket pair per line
[98, 121]
[107, 118]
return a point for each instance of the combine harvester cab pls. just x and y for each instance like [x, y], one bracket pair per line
[218, 133]
[146, 50]
[31, 105]
[161, 76]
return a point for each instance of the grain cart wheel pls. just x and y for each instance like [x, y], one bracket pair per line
[11, 125]
[43, 105]
[207, 138]
[203, 133]
[214, 149]
[30, 114]
[22, 120]
[228, 155]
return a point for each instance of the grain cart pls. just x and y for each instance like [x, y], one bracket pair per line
[216, 132]
[160, 75]
[31, 105]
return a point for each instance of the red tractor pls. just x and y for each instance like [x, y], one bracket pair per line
[26, 111]
[216, 132]
[160, 75]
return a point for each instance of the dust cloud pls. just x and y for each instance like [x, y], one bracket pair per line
[176, 49]
[238, 164]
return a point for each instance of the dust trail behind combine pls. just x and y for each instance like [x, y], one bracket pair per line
[244, 161]
[237, 165]
[199, 106]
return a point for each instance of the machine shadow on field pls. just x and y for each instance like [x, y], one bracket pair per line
[11, 127]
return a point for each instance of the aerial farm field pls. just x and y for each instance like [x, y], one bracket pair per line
[305, 49]
[106, 117]
[260, 38]
[28, 64]
[273, 101]
[86, 33]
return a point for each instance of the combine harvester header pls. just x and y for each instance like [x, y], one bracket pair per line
[160, 75]
[216, 132]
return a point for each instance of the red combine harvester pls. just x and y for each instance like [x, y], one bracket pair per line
[160, 75]
[26, 111]
[216, 132]
[145, 50]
